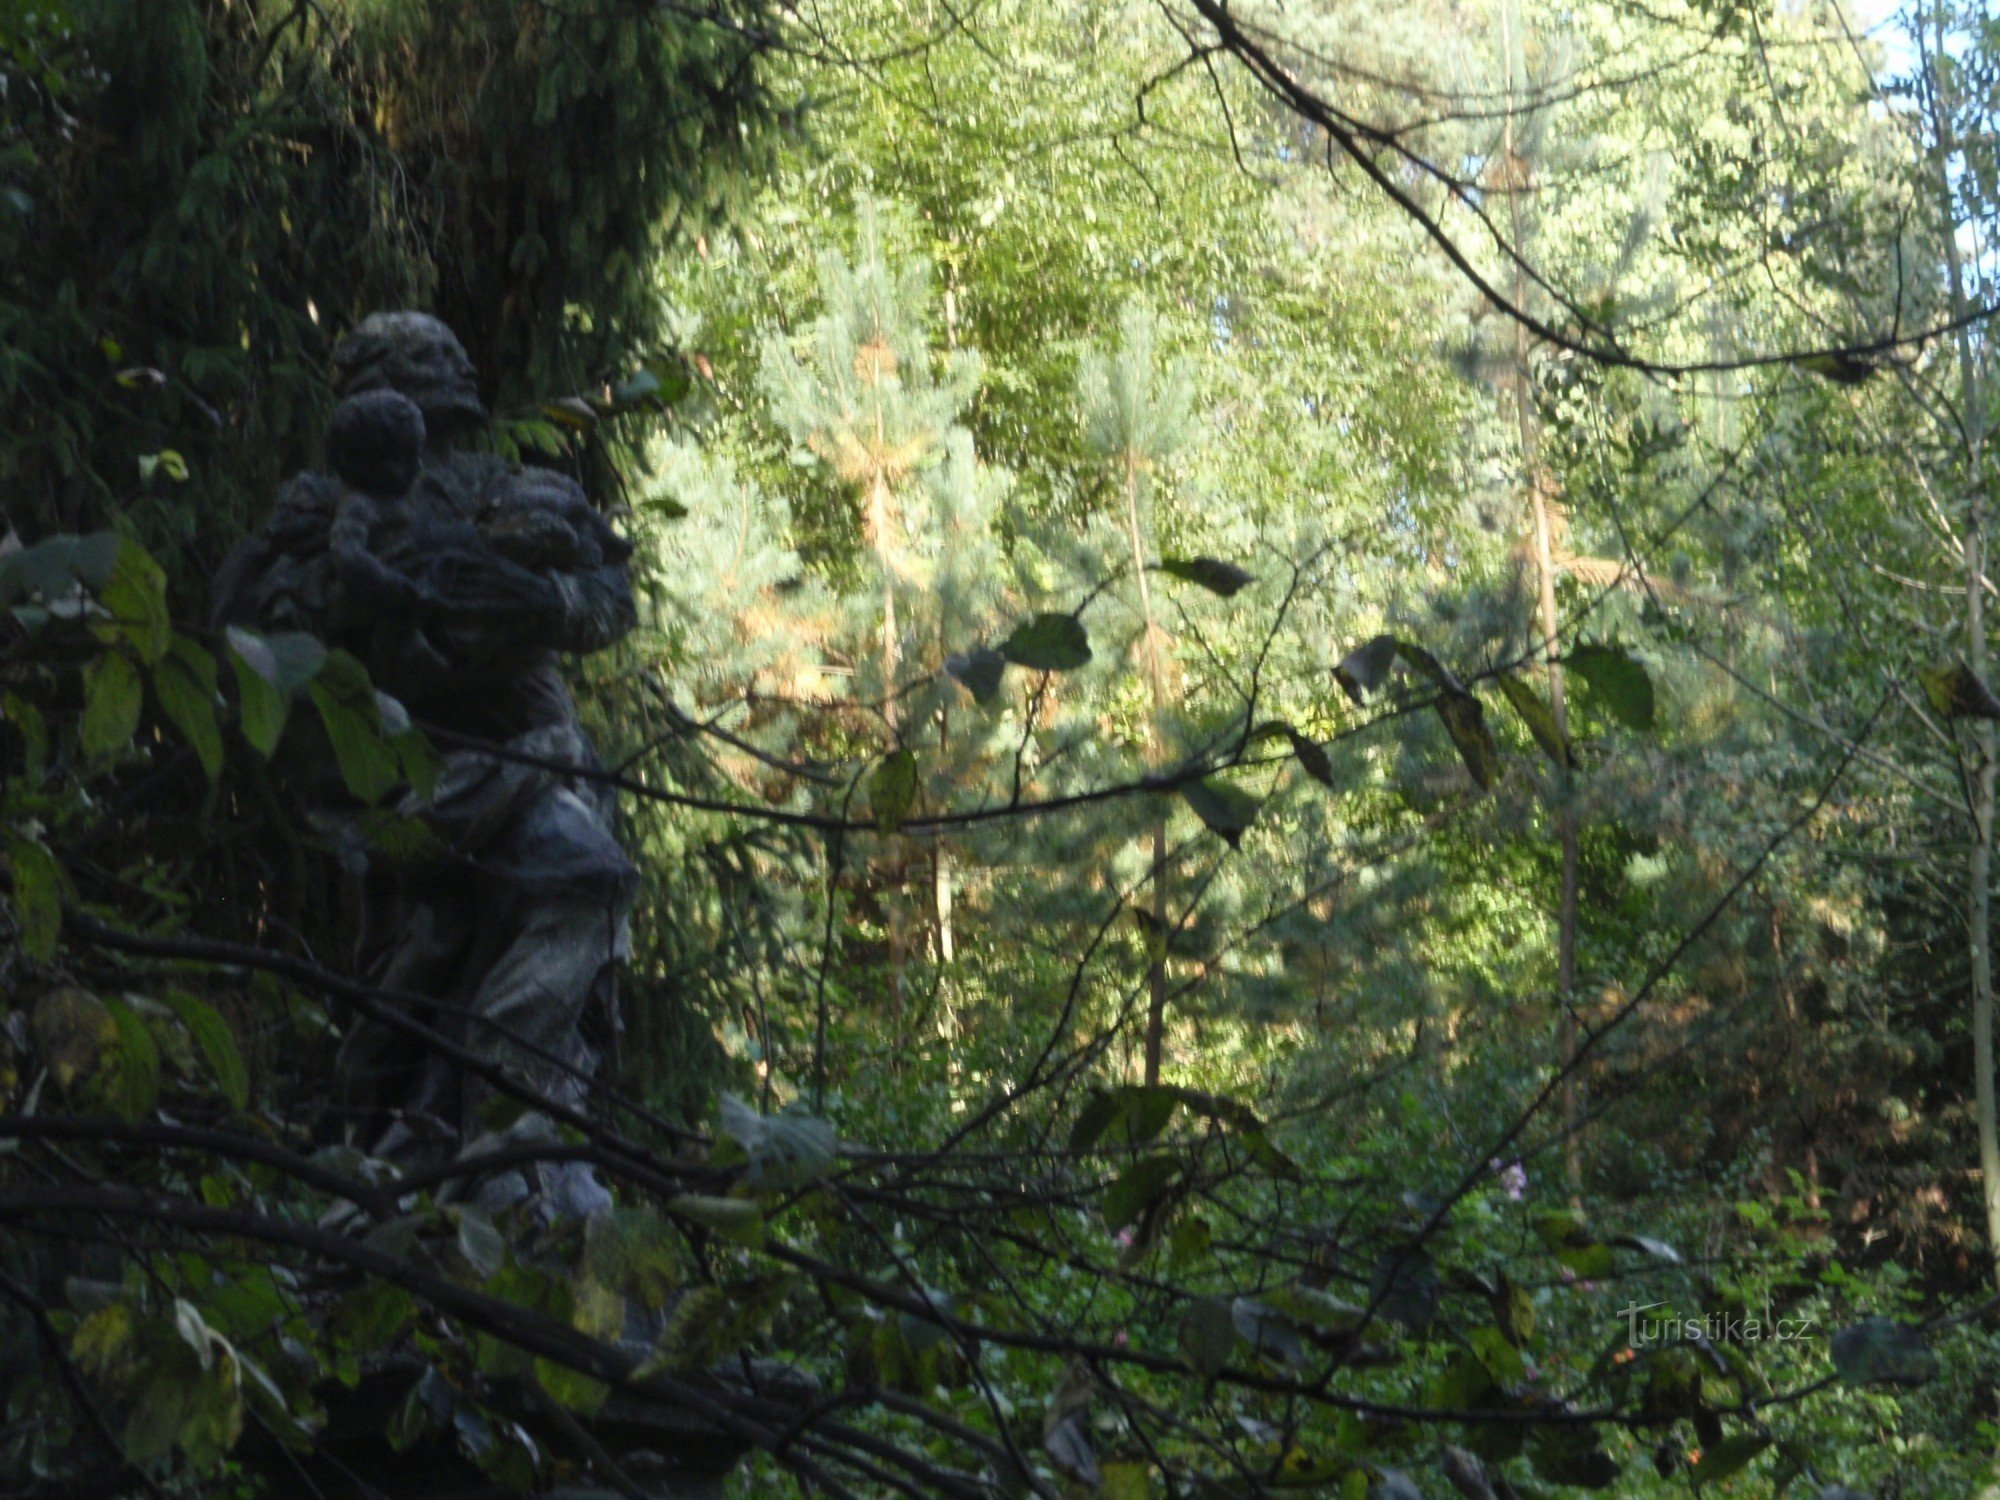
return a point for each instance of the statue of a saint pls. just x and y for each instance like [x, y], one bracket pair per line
[459, 580]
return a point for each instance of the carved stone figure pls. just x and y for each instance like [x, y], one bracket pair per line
[459, 579]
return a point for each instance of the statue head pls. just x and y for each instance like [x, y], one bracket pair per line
[375, 441]
[415, 355]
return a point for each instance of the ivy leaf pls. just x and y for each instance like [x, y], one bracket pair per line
[1618, 682]
[1212, 573]
[1366, 667]
[218, 1046]
[1049, 643]
[1957, 694]
[1227, 809]
[184, 681]
[892, 791]
[1881, 1350]
[112, 699]
[1539, 717]
[979, 670]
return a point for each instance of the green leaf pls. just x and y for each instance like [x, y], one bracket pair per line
[353, 719]
[184, 682]
[1840, 367]
[1540, 718]
[373, 1314]
[1957, 694]
[1465, 721]
[270, 670]
[1617, 682]
[37, 896]
[1569, 1453]
[1267, 1331]
[1131, 1113]
[1212, 573]
[892, 791]
[736, 1219]
[261, 710]
[135, 595]
[980, 670]
[217, 1043]
[1049, 643]
[1207, 1335]
[112, 699]
[1730, 1456]
[137, 1084]
[782, 1149]
[1880, 1350]
[571, 1389]
[1125, 1479]
[1366, 667]
[479, 1242]
[1138, 1188]
[155, 1418]
[1227, 809]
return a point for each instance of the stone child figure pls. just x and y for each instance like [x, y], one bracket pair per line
[460, 579]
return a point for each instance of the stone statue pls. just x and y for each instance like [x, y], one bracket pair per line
[459, 580]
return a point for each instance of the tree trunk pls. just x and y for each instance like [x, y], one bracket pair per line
[1979, 861]
[1156, 974]
[1516, 182]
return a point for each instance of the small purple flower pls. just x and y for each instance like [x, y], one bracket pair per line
[1513, 1177]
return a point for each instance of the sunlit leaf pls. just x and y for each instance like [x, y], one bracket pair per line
[1618, 683]
[892, 790]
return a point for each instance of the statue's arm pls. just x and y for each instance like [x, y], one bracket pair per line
[275, 577]
[498, 607]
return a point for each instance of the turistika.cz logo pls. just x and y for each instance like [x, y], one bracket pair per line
[1712, 1328]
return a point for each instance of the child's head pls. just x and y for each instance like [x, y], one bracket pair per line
[375, 442]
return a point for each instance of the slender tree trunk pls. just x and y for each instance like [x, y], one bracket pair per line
[1979, 861]
[1156, 974]
[1545, 576]
[878, 500]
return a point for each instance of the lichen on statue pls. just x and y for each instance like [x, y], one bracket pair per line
[460, 580]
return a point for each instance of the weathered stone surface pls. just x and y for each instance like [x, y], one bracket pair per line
[459, 580]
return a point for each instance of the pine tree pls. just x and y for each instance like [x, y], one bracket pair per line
[1135, 415]
[874, 404]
